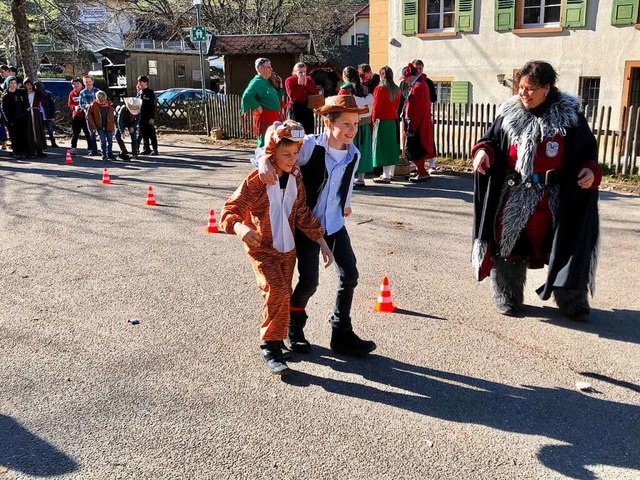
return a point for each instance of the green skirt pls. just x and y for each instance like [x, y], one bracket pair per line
[363, 142]
[386, 143]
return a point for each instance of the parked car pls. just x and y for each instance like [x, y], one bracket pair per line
[58, 86]
[171, 101]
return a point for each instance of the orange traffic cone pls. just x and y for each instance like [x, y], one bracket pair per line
[212, 227]
[384, 303]
[105, 176]
[151, 198]
[68, 160]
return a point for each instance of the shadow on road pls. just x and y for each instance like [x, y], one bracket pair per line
[25, 452]
[618, 324]
[595, 431]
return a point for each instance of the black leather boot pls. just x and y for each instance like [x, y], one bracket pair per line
[346, 342]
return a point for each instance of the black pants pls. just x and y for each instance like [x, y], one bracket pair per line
[18, 136]
[301, 114]
[148, 135]
[79, 124]
[308, 253]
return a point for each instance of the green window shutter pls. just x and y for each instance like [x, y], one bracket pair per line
[366, 41]
[464, 15]
[504, 15]
[460, 92]
[409, 17]
[575, 13]
[624, 12]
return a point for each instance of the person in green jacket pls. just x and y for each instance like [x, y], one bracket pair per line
[263, 99]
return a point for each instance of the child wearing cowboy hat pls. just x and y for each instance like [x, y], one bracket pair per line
[327, 163]
[127, 121]
[264, 217]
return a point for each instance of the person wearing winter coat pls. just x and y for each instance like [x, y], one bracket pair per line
[127, 121]
[101, 119]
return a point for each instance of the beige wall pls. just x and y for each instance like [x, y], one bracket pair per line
[379, 33]
[599, 49]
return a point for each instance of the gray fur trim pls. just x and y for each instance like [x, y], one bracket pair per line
[553, 195]
[478, 252]
[520, 204]
[593, 266]
[526, 130]
[570, 301]
[507, 282]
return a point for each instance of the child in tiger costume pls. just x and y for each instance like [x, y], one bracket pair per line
[265, 217]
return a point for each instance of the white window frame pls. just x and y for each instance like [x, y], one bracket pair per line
[441, 17]
[543, 4]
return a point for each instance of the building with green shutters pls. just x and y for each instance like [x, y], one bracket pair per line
[473, 48]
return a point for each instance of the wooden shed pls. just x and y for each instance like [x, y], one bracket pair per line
[239, 53]
[165, 69]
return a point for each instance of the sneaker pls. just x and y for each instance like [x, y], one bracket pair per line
[286, 352]
[92, 154]
[145, 152]
[155, 153]
[273, 359]
[124, 157]
[111, 157]
[420, 178]
[297, 342]
[345, 341]
[73, 151]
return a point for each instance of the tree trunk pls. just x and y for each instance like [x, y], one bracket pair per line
[26, 52]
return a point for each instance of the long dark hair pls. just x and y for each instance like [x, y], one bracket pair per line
[350, 75]
[386, 80]
[541, 74]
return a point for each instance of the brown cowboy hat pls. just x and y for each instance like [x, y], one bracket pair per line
[340, 103]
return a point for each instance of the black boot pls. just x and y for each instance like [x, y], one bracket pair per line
[574, 304]
[273, 358]
[345, 341]
[507, 285]
[297, 341]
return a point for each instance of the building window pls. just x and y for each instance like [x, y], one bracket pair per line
[540, 13]
[181, 70]
[443, 90]
[153, 67]
[590, 92]
[440, 15]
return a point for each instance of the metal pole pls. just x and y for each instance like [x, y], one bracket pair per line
[202, 74]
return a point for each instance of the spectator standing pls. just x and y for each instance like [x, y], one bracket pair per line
[127, 120]
[48, 109]
[147, 117]
[386, 138]
[35, 123]
[368, 79]
[433, 98]
[352, 86]
[262, 98]
[101, 119]
[298, 87]
[87, 97]
[78, 116]
[14, 115]
[418, 129]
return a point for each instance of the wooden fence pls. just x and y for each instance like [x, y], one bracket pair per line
[456, 127]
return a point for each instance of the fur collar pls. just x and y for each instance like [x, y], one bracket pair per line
[525, 130]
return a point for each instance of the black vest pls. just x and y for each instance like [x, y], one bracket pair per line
[315, 175]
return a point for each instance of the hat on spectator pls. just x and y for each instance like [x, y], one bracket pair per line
[133, 105]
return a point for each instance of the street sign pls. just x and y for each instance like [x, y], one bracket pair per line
[198, 33]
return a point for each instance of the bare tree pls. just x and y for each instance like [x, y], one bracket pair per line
[23, 38]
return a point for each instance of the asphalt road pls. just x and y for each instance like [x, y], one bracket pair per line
[454, 390]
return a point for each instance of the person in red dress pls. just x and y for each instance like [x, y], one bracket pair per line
[298, 87]
[418, 127]
[386, 140]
